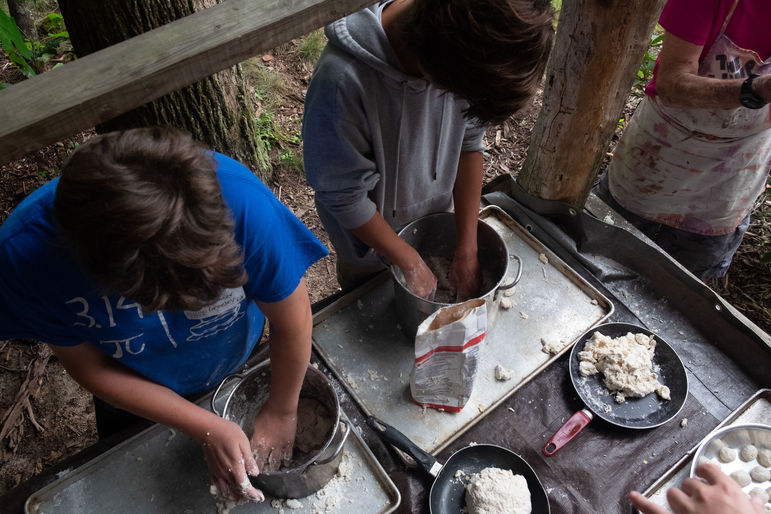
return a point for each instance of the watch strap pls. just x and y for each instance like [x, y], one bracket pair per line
[749, 98]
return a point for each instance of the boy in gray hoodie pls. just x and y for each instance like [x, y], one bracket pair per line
[394, 120]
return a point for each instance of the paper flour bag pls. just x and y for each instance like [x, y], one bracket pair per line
[447, 347]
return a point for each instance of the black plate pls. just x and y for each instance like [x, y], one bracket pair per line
[646, 412]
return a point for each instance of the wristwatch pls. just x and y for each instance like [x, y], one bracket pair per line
[749, 98]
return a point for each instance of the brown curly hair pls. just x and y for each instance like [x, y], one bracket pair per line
[492, 53]
[143, 211]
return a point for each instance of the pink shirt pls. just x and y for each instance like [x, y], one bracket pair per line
[699, 22]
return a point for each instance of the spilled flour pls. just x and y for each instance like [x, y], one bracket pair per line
[497, 491]
[625, 363]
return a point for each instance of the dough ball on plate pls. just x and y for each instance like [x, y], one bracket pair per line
[764, 457]
[748, 453]
[760, 474]
[726, 454]
[758, 492]
[741, 477]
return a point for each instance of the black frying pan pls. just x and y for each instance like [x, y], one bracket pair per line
[637, 413]
[448, 492]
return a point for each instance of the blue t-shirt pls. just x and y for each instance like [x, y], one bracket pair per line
[46, 295]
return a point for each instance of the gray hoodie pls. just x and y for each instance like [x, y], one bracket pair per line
[377, 138]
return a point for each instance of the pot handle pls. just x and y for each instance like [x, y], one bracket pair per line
[566, 432]
[228, 378]
[513, 282]
[339, 446]
[392, 436]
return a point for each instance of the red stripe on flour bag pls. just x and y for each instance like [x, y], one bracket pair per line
[478, 339]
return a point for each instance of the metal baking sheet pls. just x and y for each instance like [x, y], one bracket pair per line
[159, 471]
[755, 410]
[360, 341]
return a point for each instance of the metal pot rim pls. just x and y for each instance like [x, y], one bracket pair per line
[410, 225]
[261, 367]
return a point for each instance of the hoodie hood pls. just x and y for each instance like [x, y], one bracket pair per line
[361, 36]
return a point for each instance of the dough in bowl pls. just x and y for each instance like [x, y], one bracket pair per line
[497, 491]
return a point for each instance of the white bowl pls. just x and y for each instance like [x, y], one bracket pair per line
[735, 437]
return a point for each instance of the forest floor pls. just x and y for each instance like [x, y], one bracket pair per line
[47, 417]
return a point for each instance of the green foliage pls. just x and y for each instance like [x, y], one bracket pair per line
[645, 73]
[12, 41]
[30, 56]
[292, 160]
[53, 23]
[312, 46]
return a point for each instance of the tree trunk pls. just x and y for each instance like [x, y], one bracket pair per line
[215, 110]
[21, 12]
[597, 53]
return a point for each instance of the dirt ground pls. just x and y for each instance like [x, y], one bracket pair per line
[46, 416]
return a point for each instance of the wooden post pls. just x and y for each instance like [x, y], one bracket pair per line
[597, 53]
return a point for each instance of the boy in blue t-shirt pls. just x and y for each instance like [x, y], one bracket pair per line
[149, 267]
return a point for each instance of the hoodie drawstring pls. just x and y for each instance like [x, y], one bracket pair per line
[395, 182]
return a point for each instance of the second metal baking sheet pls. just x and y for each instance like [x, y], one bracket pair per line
[359, 338]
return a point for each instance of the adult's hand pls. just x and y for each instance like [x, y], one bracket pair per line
[273, 438]
[229, 458]
[465, 276]
[720, 495]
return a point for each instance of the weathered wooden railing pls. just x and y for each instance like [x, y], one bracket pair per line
[85, 92]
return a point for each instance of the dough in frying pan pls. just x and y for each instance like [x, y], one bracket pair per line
[741, 477]
[626, 364]
[497, 491]
[726, 454]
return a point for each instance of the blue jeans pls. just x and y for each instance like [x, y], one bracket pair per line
[705, 256]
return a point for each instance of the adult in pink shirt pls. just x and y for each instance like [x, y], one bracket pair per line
[696, 154]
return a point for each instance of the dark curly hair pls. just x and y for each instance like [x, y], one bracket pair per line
[143, 211]
[492, 53]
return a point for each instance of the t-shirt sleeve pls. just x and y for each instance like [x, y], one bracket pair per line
[27, 306]
[691, 20]
[278, 247]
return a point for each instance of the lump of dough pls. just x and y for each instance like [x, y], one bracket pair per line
[748, 453]
[758, 492]
[497, 491]
[717, 445]
[503, 374]
[626, 364]
[764, 457]
[726, 454]
[741, 477]
[760, 474]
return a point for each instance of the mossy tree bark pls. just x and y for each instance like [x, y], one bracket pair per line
[597, 52]
[22, 14]
[215, 110]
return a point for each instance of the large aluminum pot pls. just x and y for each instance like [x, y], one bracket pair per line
[239, 398]
[434, 236]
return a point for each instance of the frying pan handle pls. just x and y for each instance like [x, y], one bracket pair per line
[568, 431]
[399, 440]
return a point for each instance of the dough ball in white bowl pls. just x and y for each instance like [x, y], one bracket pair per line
[741, 477]
[748, 453]
[726, 454]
